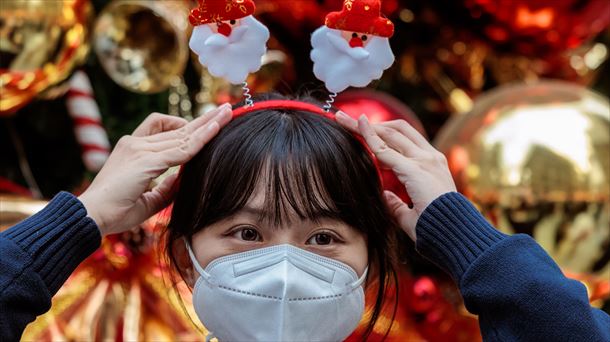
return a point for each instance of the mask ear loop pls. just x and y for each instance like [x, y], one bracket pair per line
[358, 282]
[196, 264]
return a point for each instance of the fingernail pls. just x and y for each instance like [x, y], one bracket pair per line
[340, 114]
[224, 110]
[212, 126]
[223, 107]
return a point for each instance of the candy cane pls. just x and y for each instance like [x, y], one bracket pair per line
[88, 128]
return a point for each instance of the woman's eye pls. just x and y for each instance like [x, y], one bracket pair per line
[321, 239]
[247, 234]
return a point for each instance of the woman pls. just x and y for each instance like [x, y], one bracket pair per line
[272, 180]
[276, 208]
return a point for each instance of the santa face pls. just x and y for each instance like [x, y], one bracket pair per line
[231, 49]
[355, 39]
[342, 59]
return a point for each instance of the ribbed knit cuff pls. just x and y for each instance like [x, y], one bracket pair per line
[452, 233]
[58, 239]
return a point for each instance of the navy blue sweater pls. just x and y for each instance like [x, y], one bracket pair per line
[516, 289]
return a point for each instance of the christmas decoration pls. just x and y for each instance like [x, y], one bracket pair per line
[536, 159]
[123, 292]
[352, 48]
[228, 39]
[142, 44]
[41, 44]
[88, 127]
[17, 204]
[9, 187]
[542, 27]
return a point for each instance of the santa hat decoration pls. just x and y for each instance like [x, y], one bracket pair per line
[210, 11]
[352, 48]
[362, 16]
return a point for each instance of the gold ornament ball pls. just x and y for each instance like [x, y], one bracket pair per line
[15, 208]
[536, 160]
[142, 45]
[41, 42]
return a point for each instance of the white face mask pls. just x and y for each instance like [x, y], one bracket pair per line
[278, 293]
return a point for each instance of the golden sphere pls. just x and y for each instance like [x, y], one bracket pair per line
[40, 44]
[536, 159]
[142, 45]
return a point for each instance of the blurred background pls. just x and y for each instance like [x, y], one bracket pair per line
[512, 91]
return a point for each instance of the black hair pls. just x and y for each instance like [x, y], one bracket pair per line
[311, 165]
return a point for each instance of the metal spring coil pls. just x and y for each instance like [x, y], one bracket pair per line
[329, 102]
[247, 95]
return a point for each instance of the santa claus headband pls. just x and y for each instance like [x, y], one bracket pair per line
[350, 50]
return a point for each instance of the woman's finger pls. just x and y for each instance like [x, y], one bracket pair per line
[165, 144]
[405, 216]
[223, 111]
[399, 142]
[408, 131]
[161, 195]
[347, 121]
[156, 123]
[382, 151]
[183, 153]
[390, 134]
[153, 201]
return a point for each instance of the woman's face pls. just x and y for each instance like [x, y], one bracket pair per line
[243, 232]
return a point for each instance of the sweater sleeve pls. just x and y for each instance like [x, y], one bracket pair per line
[37, 256]
[510, 282]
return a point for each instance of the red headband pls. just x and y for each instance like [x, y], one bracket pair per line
[282, 104]
[303, 106]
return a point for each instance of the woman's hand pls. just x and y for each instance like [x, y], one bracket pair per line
[119, 197]
[419, 166]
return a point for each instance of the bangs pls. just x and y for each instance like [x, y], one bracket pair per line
[297, 160]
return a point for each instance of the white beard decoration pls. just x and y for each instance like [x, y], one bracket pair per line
[340, 66]
[235, 56]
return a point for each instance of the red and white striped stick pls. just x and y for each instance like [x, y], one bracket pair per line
[88, 128]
